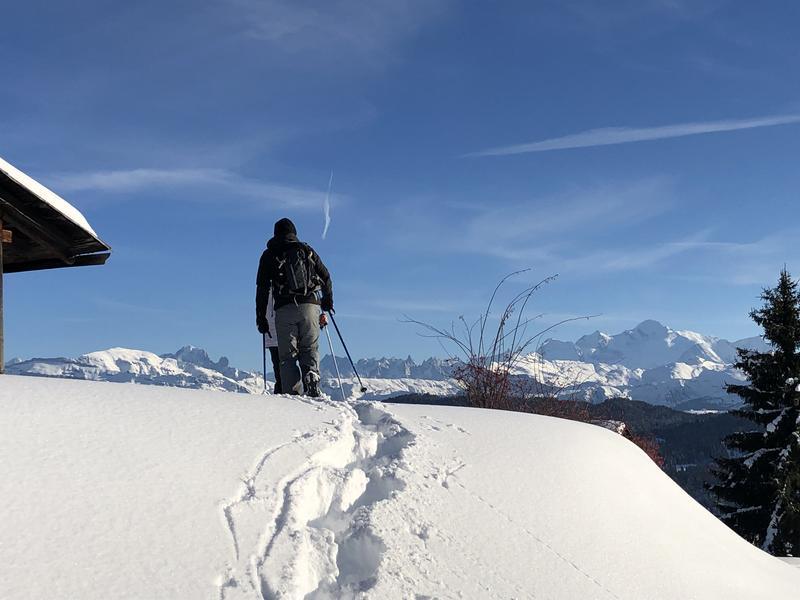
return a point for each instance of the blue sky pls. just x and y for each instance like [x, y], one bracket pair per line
[643, 150]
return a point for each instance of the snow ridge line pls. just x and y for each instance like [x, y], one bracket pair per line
[315, 540]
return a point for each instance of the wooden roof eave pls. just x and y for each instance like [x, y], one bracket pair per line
[83, 260]
[59, 241]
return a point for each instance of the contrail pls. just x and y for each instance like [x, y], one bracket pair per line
[624, 135]
[326, 207]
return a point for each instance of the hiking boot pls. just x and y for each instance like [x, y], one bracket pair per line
[311, 383]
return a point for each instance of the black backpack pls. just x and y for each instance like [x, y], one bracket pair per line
[296, 274]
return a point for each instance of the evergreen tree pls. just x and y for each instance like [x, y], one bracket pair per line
[758, 488]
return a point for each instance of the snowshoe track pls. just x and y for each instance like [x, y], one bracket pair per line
[300, 523]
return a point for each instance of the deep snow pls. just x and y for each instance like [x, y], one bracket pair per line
[126, 491]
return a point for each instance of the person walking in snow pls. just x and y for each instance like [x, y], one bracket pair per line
[271, 342]
[294, 273]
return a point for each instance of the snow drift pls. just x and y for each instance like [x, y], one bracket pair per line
[123, 491]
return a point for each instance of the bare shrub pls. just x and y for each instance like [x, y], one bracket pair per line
[486, 357]
[484, 387]
[486, 360]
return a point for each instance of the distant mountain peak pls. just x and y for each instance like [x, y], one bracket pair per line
[648, 345]
[198, 356]
[651, 328]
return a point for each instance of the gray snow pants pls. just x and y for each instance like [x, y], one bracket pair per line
[298, 343]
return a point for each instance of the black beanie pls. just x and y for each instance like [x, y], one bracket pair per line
[285, 227]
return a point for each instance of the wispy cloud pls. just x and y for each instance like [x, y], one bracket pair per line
[597, 231]
[361, 32]
[129, 180]
[547, 218]
[747, 263]
[597, 262]
[608, 136]
[632, 259]
[218, 180]
[700, 258]
[573, 231]
[326, 208]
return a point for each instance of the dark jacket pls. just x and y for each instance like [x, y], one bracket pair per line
[268, 272]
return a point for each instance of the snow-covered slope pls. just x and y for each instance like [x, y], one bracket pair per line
[795, 562]
[121, 492]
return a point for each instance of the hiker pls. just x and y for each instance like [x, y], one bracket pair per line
[271, 342]
[294, 273]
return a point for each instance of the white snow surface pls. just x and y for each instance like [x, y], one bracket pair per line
[795, 562]
[48, 196]
[125, 491]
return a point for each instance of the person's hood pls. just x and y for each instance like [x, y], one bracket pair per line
[284, 227]
[285, 233]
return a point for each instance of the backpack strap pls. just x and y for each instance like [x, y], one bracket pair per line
[312, 271]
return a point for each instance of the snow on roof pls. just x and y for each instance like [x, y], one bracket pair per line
[47, 196]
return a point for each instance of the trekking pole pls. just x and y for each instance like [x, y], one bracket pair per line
[335, 364]
[264, 353]
[350, 358]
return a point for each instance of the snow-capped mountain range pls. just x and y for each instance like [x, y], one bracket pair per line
[192, 367]
[648, 345]
[189, 367]
[650, 362]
